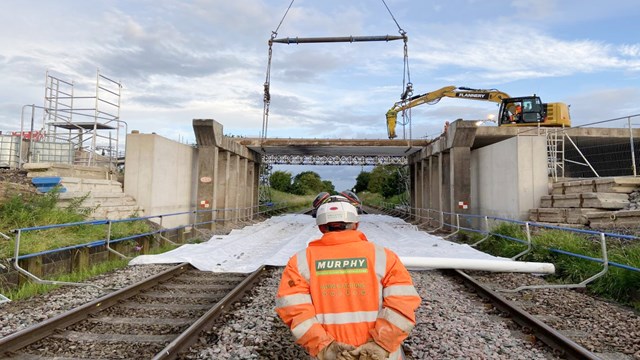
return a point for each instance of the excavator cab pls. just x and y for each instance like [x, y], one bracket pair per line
[524, 110]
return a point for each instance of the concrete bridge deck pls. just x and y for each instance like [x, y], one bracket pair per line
[334, 147]
[480, 137]
[498, 171]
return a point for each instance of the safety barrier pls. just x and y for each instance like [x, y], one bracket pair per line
[3, 298]
[416, 214]
[257, 211]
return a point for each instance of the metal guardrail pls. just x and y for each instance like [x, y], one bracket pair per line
[4, 299]
[417, 214]
[267, 209]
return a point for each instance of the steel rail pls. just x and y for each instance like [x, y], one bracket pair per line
[190, 335]
[542, 331]
[41, 330]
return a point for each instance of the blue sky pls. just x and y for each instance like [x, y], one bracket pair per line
[180, 60]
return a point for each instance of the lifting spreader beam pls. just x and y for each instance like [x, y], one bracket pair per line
[297, 40]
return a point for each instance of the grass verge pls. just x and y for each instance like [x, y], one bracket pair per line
[30, 289]
[21, 212]
[620, 285]
[294, 202]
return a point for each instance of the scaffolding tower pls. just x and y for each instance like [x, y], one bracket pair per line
[90, 125]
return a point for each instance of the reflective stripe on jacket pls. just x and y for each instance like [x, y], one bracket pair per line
[345, 288]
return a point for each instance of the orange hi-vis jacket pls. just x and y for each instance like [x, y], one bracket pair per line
[345, 288]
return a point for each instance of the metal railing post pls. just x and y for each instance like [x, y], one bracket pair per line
[633, 152]
[36, 279]
[583, 284]
[108, 241]
[162, 236]
[441, 224]
[486, 224]
[457, 227]
[3, 298]
[528, 242]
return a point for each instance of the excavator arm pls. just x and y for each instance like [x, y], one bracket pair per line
[435, 96]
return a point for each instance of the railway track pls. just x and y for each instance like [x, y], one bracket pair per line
[562, 345]
[153, 319]
[174, 315]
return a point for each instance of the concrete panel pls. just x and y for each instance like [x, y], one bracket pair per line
[243, 190]
[446, 171]
[159, 174]
[509, 177]
[461, 179]
[414, 195]
[252, 187]
[533, 173]
[206, 192]
[233, 188]
[424, 164]
[221, 183]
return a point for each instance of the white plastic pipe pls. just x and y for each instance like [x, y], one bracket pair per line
[424, 263]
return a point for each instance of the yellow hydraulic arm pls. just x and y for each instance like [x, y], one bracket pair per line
[435, 96]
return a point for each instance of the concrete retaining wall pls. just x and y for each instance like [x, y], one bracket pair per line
[160, 175]
[505, 178]
[165, 176]
[509, 177]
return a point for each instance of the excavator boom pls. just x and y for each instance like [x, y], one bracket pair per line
[522, 111]
[435, 96]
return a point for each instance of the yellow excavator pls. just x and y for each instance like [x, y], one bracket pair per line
[517, 111]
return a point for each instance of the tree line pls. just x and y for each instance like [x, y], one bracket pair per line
[387, 180]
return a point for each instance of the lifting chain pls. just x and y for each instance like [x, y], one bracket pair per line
[267, 95]
[408, 91]
[406, 76]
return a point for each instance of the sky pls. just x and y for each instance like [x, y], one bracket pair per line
[207, 59]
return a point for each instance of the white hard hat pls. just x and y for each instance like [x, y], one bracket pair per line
[337, 198]
[336, 212]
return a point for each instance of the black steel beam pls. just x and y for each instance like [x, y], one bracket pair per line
[297, 40]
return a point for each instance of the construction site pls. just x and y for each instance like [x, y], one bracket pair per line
[530, 166]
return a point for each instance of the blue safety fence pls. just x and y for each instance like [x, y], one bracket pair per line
[216, 215]
[464, 222]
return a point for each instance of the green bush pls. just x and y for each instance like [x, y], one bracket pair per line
[20, 212]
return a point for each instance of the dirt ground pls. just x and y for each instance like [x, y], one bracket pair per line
[13, 182]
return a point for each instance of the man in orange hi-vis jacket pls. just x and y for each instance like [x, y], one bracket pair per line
[344, 297]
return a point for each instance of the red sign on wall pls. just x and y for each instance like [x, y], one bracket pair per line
[29, 135]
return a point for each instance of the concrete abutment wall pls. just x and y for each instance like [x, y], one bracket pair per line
[216, 180]
[504, 179]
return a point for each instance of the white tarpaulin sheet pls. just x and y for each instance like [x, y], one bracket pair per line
[275, 240]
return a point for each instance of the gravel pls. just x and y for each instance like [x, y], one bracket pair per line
[451, 322]
[15, 316]
[598, 325]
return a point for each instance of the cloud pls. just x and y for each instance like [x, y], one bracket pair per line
[630, 50]
[207, 58]
[487, 55]
[597, 106]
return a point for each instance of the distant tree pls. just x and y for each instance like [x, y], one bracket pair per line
[328, 186]
[387, 180]
[362, 181]
[281, 181]
[378, 177]
[307, 183]
[394, 183]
